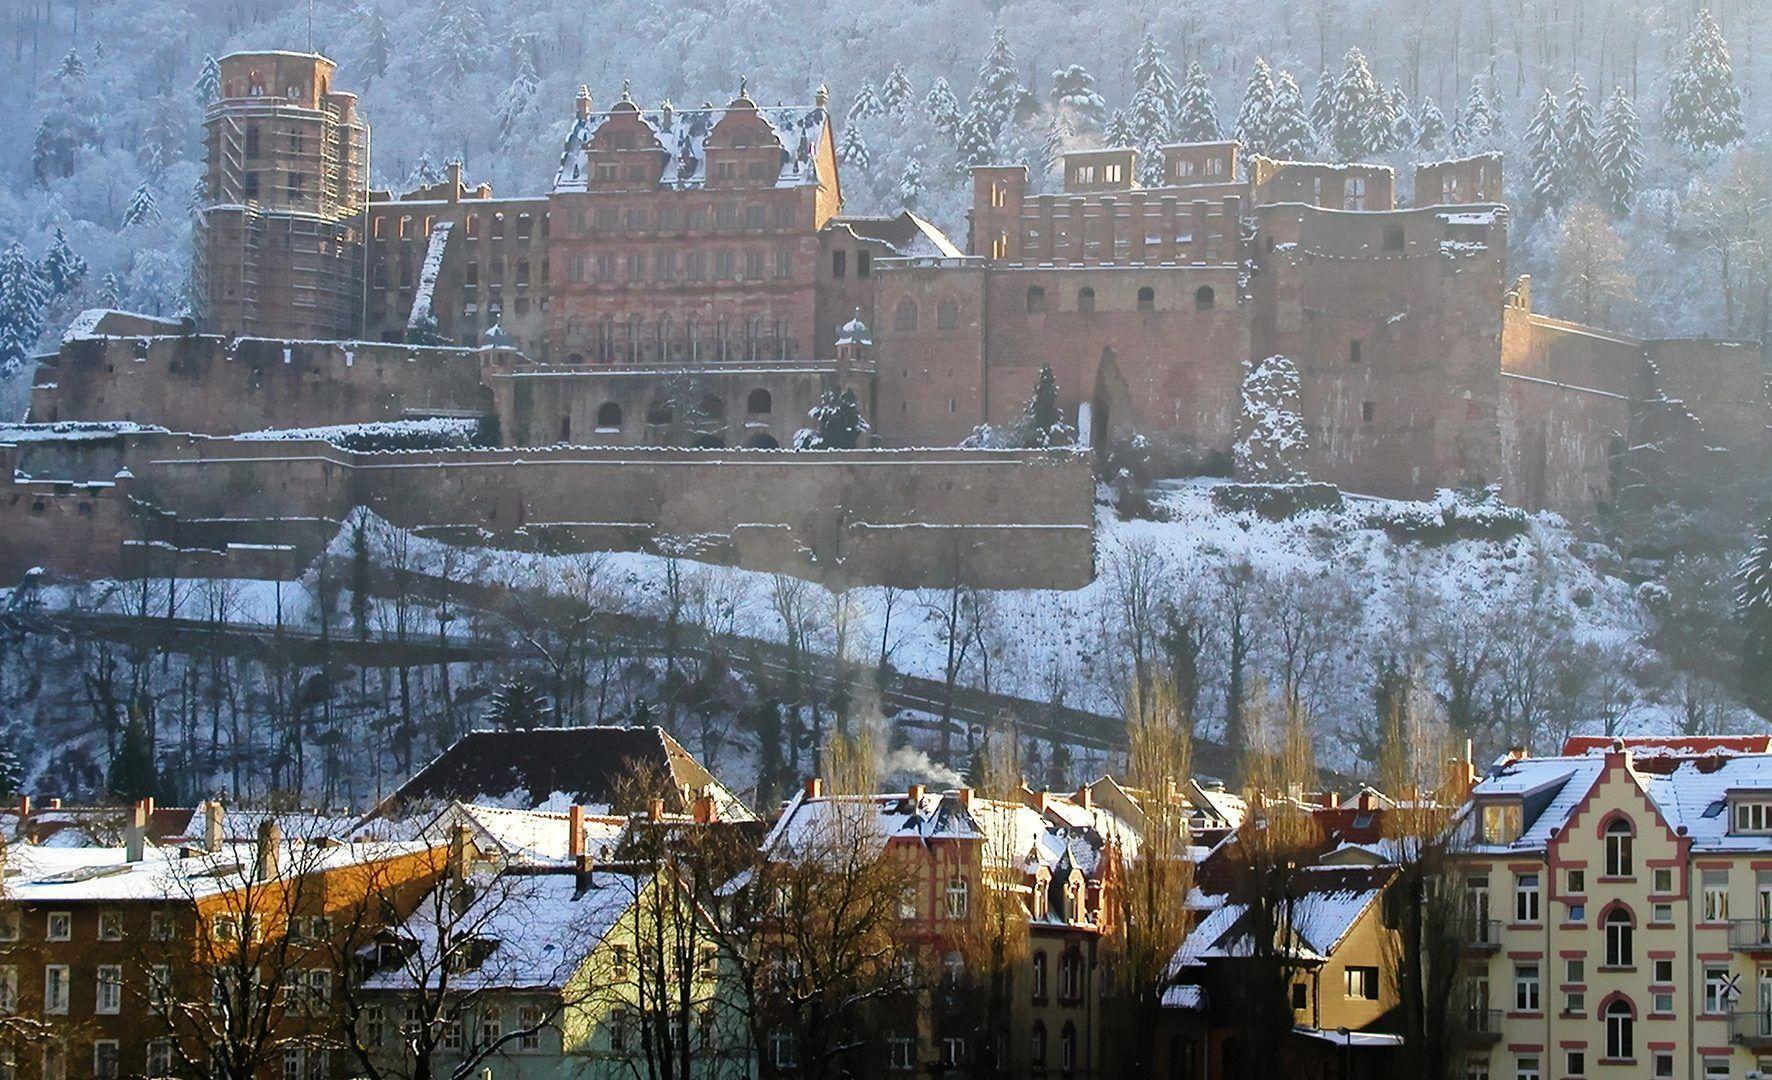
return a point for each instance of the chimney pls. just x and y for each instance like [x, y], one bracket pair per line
[1086, 797]
[965, 795]
[1365, 799]
[270, 845]
[136, 835]
[458, 854]
[55, 804]
[24, 815]
[581, 105]
[706, 813]
[815, 788]
[655, 810]
[1461, 775]
[148, 807]
[453, 170]
[575, 832]
[212, 825]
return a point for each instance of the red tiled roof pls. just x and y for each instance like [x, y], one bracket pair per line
[1693, 745]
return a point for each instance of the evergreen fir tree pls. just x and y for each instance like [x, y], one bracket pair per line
[1753, 600]
[1073, 88]
[1289, 133]
[837, 423]
[1358, 108]
[851, 150]
[896, 92]
[72, 70]
[1148, 134]
[1118, 131]
[12, 768]
[208, 85]
[1543, 150]
[1323, 108]
[1478, 130]
[943, 108]
[110, 292]
[1576, 139]
[1402, 121]
[866, 105]
[1052, 147]
[454, 39]
[141, 209]
[517, 706]
[22, 296]
[977, 144]
[1258, 106]
[1381, 134]
[1703, 110]
[1150, 72]
[61, 269]
[1196, 114]
[1430, 126]
[133, 773]
[378, 42]
[1042, 421]
[516, 98]
[1618, 153]
[910, 182]
[999, 87]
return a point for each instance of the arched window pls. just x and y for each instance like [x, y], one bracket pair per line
[959, 896]
[947, 315]
[635, 331]
[1073, 900]
[904, 317]
[711, 406]
[1204, 298]
[1085, 300]
[1147, 299]
[1067, 1048]
[1039, 979]
[1618, 847]
[660, 413]
[1620, 1031]
[1619, 931]
[605, 338]
[576, 358]
[692, 336]
[1036, 298]
[762, 440]
[759, 402]
[1037, 1045]
[1070, 976]
[609, 416]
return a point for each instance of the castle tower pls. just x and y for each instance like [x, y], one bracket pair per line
[280, 232]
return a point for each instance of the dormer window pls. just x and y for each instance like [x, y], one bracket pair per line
[1501, 822]
[1753, 815]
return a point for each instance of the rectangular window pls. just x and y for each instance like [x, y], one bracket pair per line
[636, 220]
[753, 265]
[903, 1053]
[664, 265]
[1501, 823]
[1663, 1065]
[9, 924]
[110, 988]
[864, 263]
[110, 925]
[1716, 991]
[1578, 881]
[1301, 997]
[784, 264]
[1716, 895]
[1526, 988]
[1526, 1068]
[1662, 879]
[753, 217]
[1575, 1002]
[159, 1058]
[1362, 983]
[1577, 1063]
[104, 1059]
[636, 267]
[1575, 971]
[724, 265]
[839, 263]
[8, 988]
[1663, 970]
[60, 926]
[607, 219]
[529, 1018]
[1526, 898]
[726, 216]
[55, 989]
[695, 265]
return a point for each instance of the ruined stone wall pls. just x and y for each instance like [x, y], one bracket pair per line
[995, 518]
[1561, 445]
[1394, 320]
[1725, 385]
[208, 385]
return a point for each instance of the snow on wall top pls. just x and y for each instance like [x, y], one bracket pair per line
[422, 316]
[682, 136]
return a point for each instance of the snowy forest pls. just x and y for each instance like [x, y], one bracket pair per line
[1635, 136]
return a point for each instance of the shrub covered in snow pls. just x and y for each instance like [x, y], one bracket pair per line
[1452, 515]
[1275, 502]
[1270, 431]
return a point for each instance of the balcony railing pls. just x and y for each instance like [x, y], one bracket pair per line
[1483, 935]
[1751, 1029]
[1751, 935]
[1484, 1025]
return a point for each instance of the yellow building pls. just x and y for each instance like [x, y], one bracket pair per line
[1621, 914]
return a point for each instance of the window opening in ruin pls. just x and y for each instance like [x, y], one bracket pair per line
[1204, 298]
[1147, 299]
[1085, 300]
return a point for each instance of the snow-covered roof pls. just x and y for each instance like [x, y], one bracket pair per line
[538, 928]
[45, 874]
[1332, 900]
[533, 838]
[682, 136]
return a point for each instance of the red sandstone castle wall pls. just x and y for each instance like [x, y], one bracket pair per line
[208, 385]
[1560, 444]
[1394, 320]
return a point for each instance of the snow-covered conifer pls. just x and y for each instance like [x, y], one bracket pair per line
[867, 104]
[1118, 131]
[110, 291]
[517, 706]
[1323, 107]
[516, 98]
[1150, 72]
[61, 269]
[1042, 421]
[852, 150]
[1271, 438]
[141, 209]
[1359, 104]
[208, 85]
[1477, 127]
[943, 107]
[378, 41]
[1430, 126]
[22, 296]
[1073, 89]
[910, 182]
[1544, 146]
[1402, 120]
[72, 70]
[1576, 137]
[455, 38]
[1753, 600]
[1196, 113]
[1618, 153]
[1289, 133]
[896, 92]
[837, 424]
[976, 139]
[1703, 108]
[999, 88]
[1258, 106]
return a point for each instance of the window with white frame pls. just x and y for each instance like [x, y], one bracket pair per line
[55, 1061]
[110, 925]
[1663, 1065]
[60, 926]
[530, 1018]
[159, 1058]
[1526, 1068]
[160, 925]
[953, 1051]
[8, 988]
[1361, 983]
[1753, 816]
[1620, 1031]
[1717, 987]
[55, 989]
[1620, 952]
[110, 989]
[1526, 898]
[1715, 886]
[902, 1052]
[781, 1049]
[959, 898]
[492, 1024]
[1526, 987]
[104, 1059]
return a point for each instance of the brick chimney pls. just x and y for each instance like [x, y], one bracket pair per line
[270, 849]
[1086, 797]
[575, 832]
[135, 836]
[655, 810]
[453, 173]
[24, 815]
[212, 825]
[815, 788]
[914, 794]
[1461, 775]
[706, 813]
[965, 797]
[581, 105]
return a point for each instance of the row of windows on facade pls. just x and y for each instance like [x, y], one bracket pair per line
[307, 992]
[412, 227]
[610, 416]
[522, 276]
[903, 1051]
[1205, 299]
[665, 266]
[634, 340]
[295, 186]
[612, 172]
[1661, 1067]
[612, 220]
[59, 926]
[295, 142]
